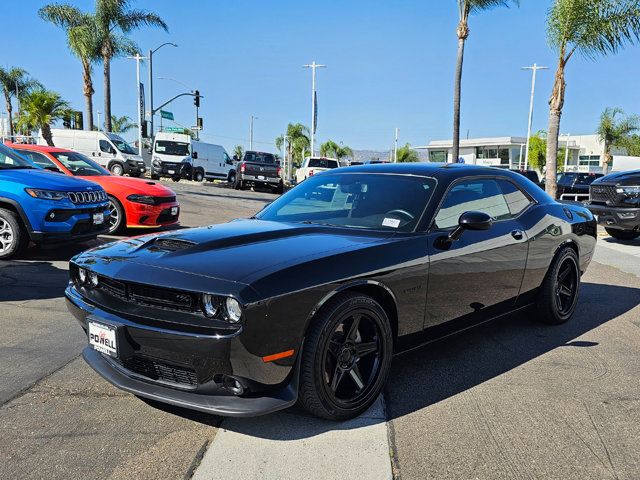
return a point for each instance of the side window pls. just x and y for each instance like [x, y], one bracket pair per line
[483, 195]
[37, 158]
[105, 147]
[517, 201]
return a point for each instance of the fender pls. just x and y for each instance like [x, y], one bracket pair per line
[21, 214]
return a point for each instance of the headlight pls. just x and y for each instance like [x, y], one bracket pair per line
[46, 194]
[234, 310]
[82, 276]
[93, 279]
[631, 190]
[209, 305]
[145, 199]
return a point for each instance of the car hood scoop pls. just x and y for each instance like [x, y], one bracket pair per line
[171, 244]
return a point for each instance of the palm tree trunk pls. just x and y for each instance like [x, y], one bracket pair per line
[88, 92]
[463, 33]
[7, 99]
[46, 134]
[106, 61]
[556, 102]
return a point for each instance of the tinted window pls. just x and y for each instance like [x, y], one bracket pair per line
[482, 195]
[38, 158]
[322, 163]
[516, 200]
[78, 164]
[378, 202]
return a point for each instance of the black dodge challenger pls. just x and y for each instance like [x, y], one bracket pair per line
[309, 299]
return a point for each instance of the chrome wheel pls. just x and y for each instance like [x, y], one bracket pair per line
[7, 236]
[114, 217]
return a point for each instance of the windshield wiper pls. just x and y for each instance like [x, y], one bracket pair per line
[16, 167]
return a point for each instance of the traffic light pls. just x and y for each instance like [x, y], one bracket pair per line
[196, 98]
[200, 123]
[78, 120]
[145, 129]
[66, 120]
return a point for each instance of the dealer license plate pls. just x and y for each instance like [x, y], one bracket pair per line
[103, 338]
[174, 210]
[260, 177]
[171, 172]
[98, 218]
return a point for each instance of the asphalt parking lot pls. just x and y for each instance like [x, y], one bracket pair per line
[509, 399]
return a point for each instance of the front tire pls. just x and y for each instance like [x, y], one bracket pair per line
[117, 169]
[346, 357]
[117, 219]
[622, 234]
[13, 238]
[559, 291]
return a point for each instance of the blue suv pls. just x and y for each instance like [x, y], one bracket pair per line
[46, 207]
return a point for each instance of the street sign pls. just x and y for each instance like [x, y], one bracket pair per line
[166, 115]
[174, 129]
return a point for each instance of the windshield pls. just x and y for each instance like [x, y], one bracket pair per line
[357, 200]
[578, 178]
[80, 165]
[123, 146]
[172, 148]
[12, 160]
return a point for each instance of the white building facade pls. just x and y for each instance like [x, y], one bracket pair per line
[584, 153]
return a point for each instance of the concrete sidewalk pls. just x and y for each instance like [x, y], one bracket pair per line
[294, 445]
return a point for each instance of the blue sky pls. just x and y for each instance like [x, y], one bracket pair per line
[390, 64]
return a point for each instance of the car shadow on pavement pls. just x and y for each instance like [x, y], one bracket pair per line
[33, 280]
[453, 365]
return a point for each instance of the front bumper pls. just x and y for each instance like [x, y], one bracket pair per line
[140, 215]
[206, 358]
[616, 217]
[257, 179]
[71, 225]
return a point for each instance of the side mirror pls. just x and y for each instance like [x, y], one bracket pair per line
[468, 221]
[194, 155]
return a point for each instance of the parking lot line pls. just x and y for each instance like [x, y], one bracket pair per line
[295, 445]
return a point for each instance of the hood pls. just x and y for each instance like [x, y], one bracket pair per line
[133, 185]
[620, 178]
[45, 179]
[239, 251]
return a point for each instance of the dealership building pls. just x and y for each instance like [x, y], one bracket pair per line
[585, 153]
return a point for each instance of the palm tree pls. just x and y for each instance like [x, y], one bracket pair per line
[332, 149]
[40, 108]
[15, 82]
[591, 28]
[407, 154]
[122, 124]
[615, 132]
[465, 9]
[298, 142]
[238, 152]
[114, 20]
[82, 39]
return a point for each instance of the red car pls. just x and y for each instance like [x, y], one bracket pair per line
[134, 202]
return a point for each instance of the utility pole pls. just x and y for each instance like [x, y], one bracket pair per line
[99, 127]
[151, 52]
[566, 152]
[395, 148]
[251, 131]
[140, 101]
[534, 68]
[284, 156]
[314, 114]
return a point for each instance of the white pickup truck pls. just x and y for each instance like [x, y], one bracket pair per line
[313, 165]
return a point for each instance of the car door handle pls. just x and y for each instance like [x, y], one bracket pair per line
[517, 234]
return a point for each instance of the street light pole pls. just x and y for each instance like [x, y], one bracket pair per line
[534, 68]
[566, 152]
[395, 148]
[99, 126]
[251, 132]
[137, 58]
[313, 65]
[151, 52]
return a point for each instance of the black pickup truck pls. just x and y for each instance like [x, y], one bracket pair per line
[259, 169]
[615, 201]
[575, 185]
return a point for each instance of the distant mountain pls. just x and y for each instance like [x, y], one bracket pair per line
[364, 155]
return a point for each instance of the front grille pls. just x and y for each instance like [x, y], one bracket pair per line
[165, 216]
[86, 226]
[160, 371]
[161, 200]
[603, 194]
[149, 296]
[87, 197]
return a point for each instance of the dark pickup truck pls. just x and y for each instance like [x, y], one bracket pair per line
[259, 169]
[575, 186]
[615, 201]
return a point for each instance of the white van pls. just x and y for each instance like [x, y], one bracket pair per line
[177, 155]
[108, 149]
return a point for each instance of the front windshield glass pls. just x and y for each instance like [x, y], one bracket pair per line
[12, 160]
[166, 147]
[123, 146]
[80, 165]
[356, 200]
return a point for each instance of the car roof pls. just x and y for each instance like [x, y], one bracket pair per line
[37, 148]
[438, 170]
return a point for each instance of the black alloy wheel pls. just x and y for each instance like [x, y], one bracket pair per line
[346, 358]
[559, 292]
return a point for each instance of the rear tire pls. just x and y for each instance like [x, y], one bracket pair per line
[238, 185]
[198, 176]
[622, 234]
[346, 357]
[117, 219]
[279, 189]
[232, 178]
[558, 294]
[117, 169]
[175, 179]
[13, 238]
[155, 177]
